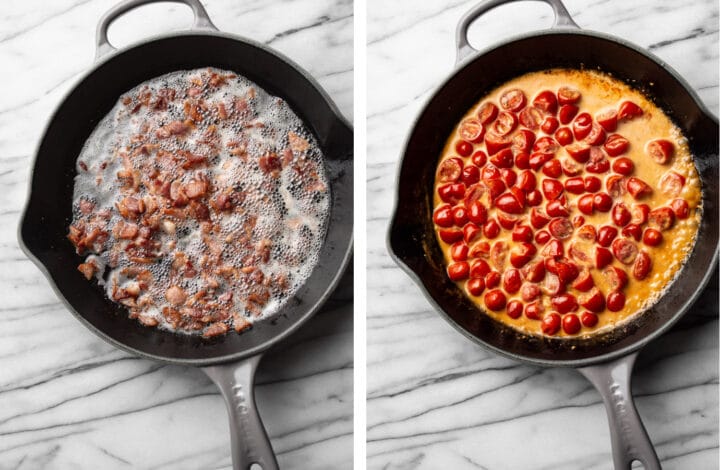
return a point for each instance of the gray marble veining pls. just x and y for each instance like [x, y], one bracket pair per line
[69, 400]
[435, 400]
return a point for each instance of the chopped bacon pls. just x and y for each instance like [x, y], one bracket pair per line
[297, 143]
[174, 128]
[88, 269]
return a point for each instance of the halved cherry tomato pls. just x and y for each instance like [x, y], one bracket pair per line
[479, 269]
[480, 249]
[607, 119]
[546, 101]
[596, 135]
[589, 319]
[464, 148]
[550, 324]
[564, 303]
[564, 136]
[460, 215]
[615, 301]
[671, 183]
[638, 188]
[593, 300]
[534, 310]
[538, 219]
[509, 177]
[450, 235]
[567, 95]
[458, 271]
[632, 230]
[534, 271]
[531, 117]
[571, 324]
[479, 158]
[522, 254]
[546, 145]
[615, 277]
[582, 125]
[549, 125]
[642, 266]
[529, 291]
[542, 237]
[552, 188]
[661, 218]
[526, 181]
[475, 286]
[660, 150]
[494, 142]
[487, 113]
[522, 161]
[514, 309]
[509, 203]
[523, 140]
[511, 281]
[443, 216]
[584, 282]
[491, 229]
[592, 184]
[652, 237]
[505, 123]
[538, 159]
[603, 257]
[459, 251]
[585, 204]
[560, 227]
[450, 170]
[575, 185]
[579, 151]
[556, 208]
[616, 145]
[495, 300]
[681, 208]
[624, 250]
[621, 215]
[623, 165]
[503, 159]
[640, 213]
[629, 110]
[587, 233]
[567, 113]
[616, 185]
[553, 169]
[602, 202]
[477, 212]
[534, 198]
[492, 279]
[471, 130]
[513, 99]
[470, 175]
[522, 233]
[606, 234]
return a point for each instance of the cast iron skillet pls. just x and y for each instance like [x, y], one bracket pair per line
[230, 361]
[607, 360]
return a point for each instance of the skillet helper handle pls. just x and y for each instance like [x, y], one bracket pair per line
[103, 46]
[464, 49]
[630, 440]
[250, 444]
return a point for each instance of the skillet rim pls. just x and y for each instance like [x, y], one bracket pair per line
[197, 362]
[574, 363]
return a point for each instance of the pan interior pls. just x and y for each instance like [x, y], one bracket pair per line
[48, 213]
[412, 239]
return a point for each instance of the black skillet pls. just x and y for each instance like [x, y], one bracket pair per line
[230, 361]
[606, 360]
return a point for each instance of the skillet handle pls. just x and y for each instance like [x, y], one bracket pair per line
[250, 444]
[562, 20]
[103, 46]
[630, 440]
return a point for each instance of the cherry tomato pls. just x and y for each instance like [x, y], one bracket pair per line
[509, 203]
[458, 271]
[551, 188]
[523, 140]
[534, 271]
[534, 198]
[492, 279]
[542, 237]
[450, 170]
[660, 150]
[661, 218]
[615, 277]
[561, 228]
[460, 216]
[443, 216]
[616, 145]
[522, 233]
[479, 158]
[479, 269]
[564, 303]
[579, 151]
[491, 229]
[546, 101]
[526, 181]
[538, 219]
[606, 234]
[607, 119]
[471, 130]
[624, 250]
[602, 202]
[615, 301]
[616, 185]
[514, 309]
[487, 113]
[564, 136]
[450, 235]
[495, 142]
[495, 300]
[593, 300]
[584, 282]
[585, 204]
[513, 99]
[511, 281]
[567, 113]
[623, 166]
[550, 324]
[629, 110]
[503, 159]
[522, 254]
[642, 266]
[549, 125]
[575, 185]
[596, 135]
[652, 237]
[571, 324]
[603, 257]
[592, 184]
[477, 212]
[632, 230]
[567, 95]
[621, 215]
[671, 183]
[534, 310]
[640, 213]
[459, 251]
[582, 125]
[531, 117]
[681, 208]
[464, 148]
[553, 169]
[589, 319]
[475, 286]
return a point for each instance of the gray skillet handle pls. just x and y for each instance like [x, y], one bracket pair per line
[103, 46]
[562, 20]
[250, 444]
[630, 440]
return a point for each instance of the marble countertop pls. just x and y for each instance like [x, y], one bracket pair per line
[69, 400]
[435, 399]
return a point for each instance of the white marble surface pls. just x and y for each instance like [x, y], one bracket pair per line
[435, 400]
[69, 400]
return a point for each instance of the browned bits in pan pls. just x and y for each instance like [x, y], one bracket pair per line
[207, 204]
